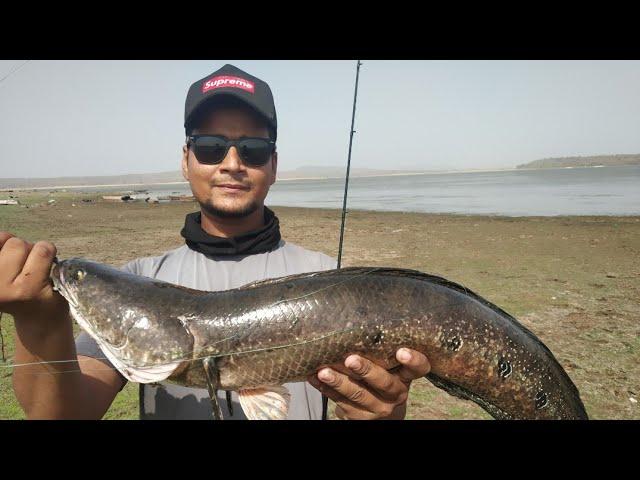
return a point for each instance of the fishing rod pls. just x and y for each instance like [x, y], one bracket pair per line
[4, 359]
[346, 182]
[325, 399]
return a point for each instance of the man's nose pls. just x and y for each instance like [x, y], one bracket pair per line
[232, 161]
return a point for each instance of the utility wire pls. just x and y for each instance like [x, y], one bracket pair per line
[15, 69]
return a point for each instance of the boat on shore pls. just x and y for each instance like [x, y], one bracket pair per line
[148, 198]
[113, 198]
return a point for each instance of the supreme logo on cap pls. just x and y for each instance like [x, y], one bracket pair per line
[226, 81]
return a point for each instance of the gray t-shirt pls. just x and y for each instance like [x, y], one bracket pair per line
[192, 269]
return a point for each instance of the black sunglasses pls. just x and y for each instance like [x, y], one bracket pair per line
[212, 149]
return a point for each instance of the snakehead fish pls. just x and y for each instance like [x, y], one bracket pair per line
[255, 338]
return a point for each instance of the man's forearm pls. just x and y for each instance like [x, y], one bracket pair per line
[46, 389]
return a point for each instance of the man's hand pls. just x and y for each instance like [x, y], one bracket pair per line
[44, 333]
[363, 390]
[25, 289]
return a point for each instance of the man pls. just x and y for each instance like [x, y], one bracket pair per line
[230, 161]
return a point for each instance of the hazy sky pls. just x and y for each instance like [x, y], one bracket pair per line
[62, 118]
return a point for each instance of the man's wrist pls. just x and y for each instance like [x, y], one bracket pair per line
[38, 325]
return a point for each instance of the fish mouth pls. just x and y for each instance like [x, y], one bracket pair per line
[60, 285]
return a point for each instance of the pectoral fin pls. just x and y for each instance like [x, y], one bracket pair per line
[270, 403]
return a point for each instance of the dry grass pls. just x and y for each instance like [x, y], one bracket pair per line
[574, 281]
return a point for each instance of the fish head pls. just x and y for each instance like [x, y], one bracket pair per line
[76, 279]
[115, 309]
[96, 298]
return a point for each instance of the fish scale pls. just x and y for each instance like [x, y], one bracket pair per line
[282, 330]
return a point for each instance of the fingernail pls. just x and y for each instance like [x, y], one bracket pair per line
[326, 375]
[354, 363]
[404, 355]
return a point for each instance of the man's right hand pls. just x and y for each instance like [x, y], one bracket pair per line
[44, 334]
[25, 289]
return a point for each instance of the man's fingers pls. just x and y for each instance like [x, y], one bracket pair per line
[386, 384]
[326, 390]
[345, 408]
[414, 365]
[348, 388]
[12, 257]
[4, 236]
[340, 413]
[38, 264]
[347, 412]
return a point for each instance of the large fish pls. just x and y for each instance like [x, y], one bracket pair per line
[255, 338]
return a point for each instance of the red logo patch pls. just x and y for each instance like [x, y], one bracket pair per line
[226, 81]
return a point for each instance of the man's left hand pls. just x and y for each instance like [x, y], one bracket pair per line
[363, 390]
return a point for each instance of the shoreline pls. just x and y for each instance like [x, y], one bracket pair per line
[494, 216]
[39, 199]
[408, 173]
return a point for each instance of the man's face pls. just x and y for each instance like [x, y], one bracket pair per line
[229, 189]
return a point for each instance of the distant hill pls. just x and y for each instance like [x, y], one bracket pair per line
[605, 160]
[176, 176]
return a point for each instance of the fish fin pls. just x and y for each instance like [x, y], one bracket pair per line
[457, 391]
[269, 403]
[213, 382]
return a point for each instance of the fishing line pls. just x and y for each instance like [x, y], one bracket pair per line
[363, 272]
[251, 327]
[181, 359]
[257, 323]
[326, 288]
[196, 351]
[47, 362]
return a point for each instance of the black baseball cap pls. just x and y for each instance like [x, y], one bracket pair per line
[230, 81]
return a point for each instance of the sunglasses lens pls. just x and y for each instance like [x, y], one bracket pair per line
[210, 150]
[254, 151]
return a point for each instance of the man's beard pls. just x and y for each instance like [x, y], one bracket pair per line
[214, 211]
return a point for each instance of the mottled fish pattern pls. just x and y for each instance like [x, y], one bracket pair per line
[281, 330]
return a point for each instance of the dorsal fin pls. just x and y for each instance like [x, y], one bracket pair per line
[299, 276]
[357, 271]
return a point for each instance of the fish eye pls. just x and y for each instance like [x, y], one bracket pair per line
[79, 275]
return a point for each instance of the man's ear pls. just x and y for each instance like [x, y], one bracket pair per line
[185, 162]
[274, 167]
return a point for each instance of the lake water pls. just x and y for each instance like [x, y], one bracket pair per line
[574, 191]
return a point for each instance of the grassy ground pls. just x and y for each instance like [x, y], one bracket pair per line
[574, 281]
